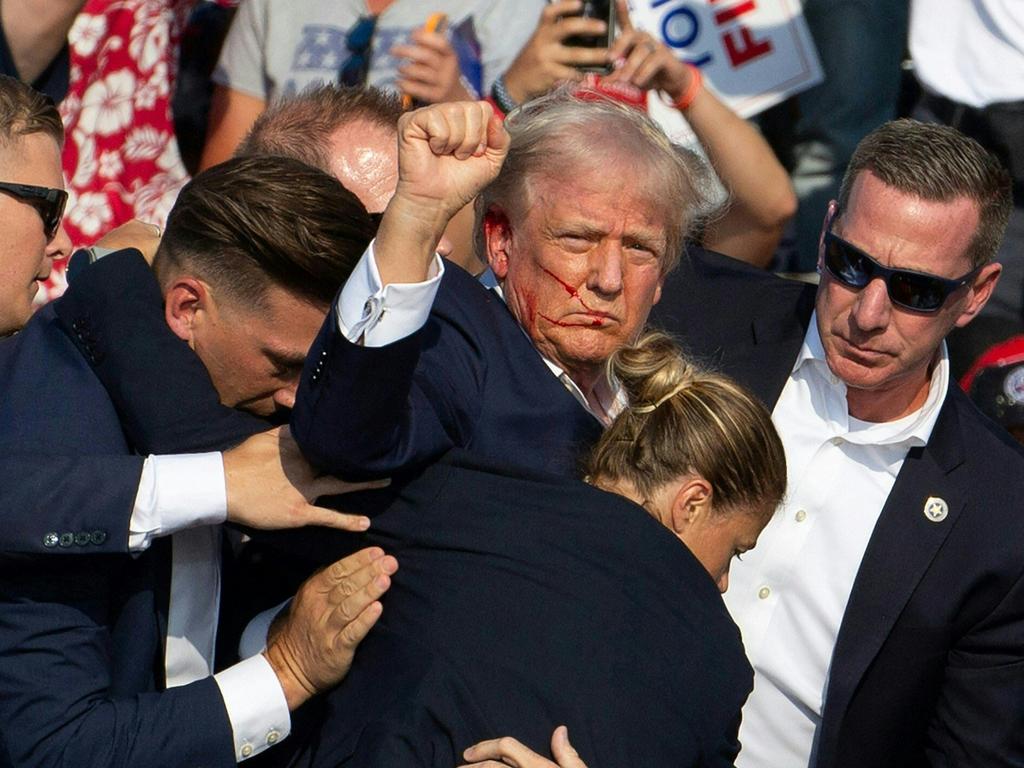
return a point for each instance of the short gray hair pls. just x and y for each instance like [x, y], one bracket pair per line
[565, 130]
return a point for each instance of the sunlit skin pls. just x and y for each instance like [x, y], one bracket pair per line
[883, 353]
[254, 355]
[580, 272]
[364, 157]
[26, 256]
[686, 506]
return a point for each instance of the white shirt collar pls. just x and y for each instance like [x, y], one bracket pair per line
[913, 429]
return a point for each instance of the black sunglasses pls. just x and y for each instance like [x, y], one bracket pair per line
[356, 67]
[916, 291]
[49, 202]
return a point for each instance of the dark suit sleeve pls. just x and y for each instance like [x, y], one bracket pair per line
[365, 412]
[979, 716]
[60, 705]
[67, 504]
[166, 403]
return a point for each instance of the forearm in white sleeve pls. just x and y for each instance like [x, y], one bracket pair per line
[256, 706]
[177, 492]
[376, 315]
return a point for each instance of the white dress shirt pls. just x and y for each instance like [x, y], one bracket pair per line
[376, 315]
[185, 496]
[788, 595]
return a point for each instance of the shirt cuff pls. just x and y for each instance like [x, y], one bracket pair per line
[254, 638]
[256, 706]
[391, 312]
[175, 493]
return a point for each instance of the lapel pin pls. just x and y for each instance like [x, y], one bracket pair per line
[936, 509]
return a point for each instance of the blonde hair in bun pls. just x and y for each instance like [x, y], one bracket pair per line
[684, 419]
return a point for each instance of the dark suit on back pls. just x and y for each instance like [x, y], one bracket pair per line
[928, 666]
[526, 602]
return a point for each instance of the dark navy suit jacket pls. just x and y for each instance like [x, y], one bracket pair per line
[81, 638]
[928, 667]
[470, 379]
[523, 602]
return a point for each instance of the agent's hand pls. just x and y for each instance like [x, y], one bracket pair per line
[447, 153]
[310, 645]
[507, 751]
[545, 60]
[640, 60]
[431, 73]
[134, 234]
[270, 485]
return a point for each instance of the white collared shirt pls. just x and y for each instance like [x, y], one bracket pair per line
[376, 315]
[788, 595]
[184, 496]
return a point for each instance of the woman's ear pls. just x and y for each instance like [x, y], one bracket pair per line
[691, 503]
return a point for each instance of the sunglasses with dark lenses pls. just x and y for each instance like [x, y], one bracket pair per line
[49, 202]
[916, 291]
[356, 67]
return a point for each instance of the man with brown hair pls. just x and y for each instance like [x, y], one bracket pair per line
[243, 269]
[883, 608]
[32, 198]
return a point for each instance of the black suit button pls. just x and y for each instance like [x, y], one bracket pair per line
[82, 538]
[66, 539]
[98, 537]
[51, 539]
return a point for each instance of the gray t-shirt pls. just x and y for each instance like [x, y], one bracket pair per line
[276, 48]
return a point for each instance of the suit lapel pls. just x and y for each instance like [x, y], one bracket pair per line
[900, 550]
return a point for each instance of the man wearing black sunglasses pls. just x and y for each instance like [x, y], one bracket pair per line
[32, 198]
[883, 608]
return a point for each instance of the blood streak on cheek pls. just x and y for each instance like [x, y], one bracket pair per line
[572, 292]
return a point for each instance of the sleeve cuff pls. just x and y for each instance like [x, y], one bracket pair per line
[177, 492]
[254, 638]
[255, 704]
[378, 315]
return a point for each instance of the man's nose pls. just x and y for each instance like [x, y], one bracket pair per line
[285, 396]
[872, 308]
[605, 275]
[59, 245]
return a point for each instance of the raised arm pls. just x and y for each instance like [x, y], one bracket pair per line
[365, 407]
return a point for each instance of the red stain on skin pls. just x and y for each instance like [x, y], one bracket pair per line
[598, 319]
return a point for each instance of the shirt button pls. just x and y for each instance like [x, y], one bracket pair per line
[763, 593]
[833, 379]
[272, 737]
[801, 515]
[836, 441]
[246, 750]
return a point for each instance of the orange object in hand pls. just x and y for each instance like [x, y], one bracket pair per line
[437, 22]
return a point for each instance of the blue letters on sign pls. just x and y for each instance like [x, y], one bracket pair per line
[680, 27]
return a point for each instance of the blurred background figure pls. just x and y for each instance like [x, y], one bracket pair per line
[969, 62]
[996, 385]
[446, 50]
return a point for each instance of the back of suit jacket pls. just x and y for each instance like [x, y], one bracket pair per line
[523, 603]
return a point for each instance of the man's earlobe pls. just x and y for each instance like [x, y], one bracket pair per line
[981, 292]
[184, 302]
[497, 241]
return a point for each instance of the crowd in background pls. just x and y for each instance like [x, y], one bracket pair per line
[236, 171]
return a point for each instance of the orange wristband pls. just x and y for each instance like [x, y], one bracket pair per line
[696, 81]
